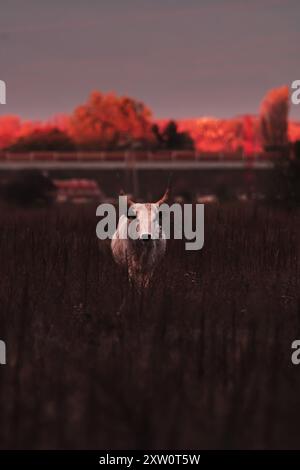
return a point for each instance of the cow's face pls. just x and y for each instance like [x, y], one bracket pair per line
[147, 217]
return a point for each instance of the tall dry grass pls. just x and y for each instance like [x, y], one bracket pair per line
[202, 360]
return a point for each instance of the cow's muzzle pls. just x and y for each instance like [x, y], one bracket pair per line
[146, 237]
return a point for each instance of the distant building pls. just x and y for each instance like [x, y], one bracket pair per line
[77, 191]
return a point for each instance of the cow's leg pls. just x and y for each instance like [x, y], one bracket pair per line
[127, 294]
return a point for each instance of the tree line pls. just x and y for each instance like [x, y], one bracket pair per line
[111, 122]
[105, 122]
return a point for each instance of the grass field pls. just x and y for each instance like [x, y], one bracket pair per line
[202, 360]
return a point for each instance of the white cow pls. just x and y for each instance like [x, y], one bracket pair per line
[140, 256]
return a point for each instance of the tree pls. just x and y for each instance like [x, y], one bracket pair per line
[52, 139]
[274, 119]
[29, 188]
[171, 139]
[109, 122]
[9, 130]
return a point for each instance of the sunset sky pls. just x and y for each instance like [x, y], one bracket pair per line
[182, 58]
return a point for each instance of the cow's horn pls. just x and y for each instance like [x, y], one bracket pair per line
[167, 192]
[164, 198]
[130, 201]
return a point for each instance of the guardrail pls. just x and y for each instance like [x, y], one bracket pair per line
[135, 156]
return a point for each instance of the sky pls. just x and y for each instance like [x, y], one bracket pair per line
[182, 58]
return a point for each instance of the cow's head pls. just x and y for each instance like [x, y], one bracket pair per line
[147, 217]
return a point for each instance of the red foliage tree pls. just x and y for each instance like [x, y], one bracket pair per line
[9, 130]
[274, 118]
[109, 121]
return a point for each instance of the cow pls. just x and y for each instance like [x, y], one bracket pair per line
[141, 255]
